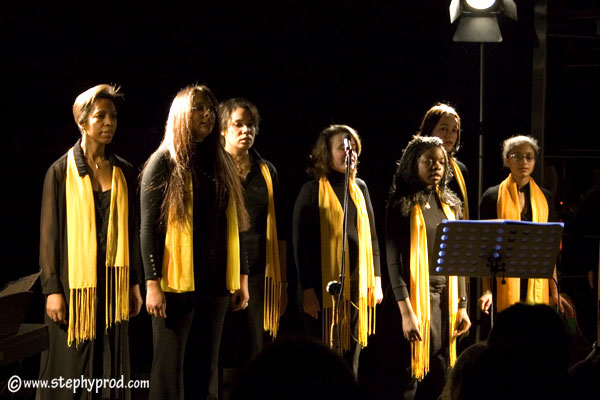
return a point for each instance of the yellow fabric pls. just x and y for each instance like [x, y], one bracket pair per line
[462, 185]
[82, 252]
[272, 272]
[178, 258]
[508, 207]
[331, 216]
[419, 293]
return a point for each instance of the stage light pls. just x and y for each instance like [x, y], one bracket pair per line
[478, 19]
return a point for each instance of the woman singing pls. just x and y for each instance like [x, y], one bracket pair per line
[519, 198]
[432, 308]
[266, 254]
[317, 237]
[192, 211]
[89, 254]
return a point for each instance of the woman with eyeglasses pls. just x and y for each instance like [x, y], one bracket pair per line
[519, 198]
[192, 212]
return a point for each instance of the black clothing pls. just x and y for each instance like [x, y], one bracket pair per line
[307, 249]
[243, 334]
[199, 313]
[307, 231]
[396, 380]
[489, 202]
[108, 355]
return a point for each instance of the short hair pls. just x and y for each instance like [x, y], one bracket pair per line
[321, 151]
[84, 102]
[433, 116]
[226, 108]
[516, 141]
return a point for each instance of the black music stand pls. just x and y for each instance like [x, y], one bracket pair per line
[496, 248]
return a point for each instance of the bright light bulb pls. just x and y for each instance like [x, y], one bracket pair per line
[481, 4]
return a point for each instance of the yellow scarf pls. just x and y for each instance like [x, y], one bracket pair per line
[419, 293]
[272, 273]
[82, 252]
[178, 258]
[462, 185]
[331, 216]
[508, 208]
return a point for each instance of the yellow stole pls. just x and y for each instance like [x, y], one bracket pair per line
[508, 208]
[178, 258]
[462, 185]
[82, 252]
[331, 216]
[272, 272]
[419, 293]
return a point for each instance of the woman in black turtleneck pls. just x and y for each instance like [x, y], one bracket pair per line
[191, 199]
[319, 210]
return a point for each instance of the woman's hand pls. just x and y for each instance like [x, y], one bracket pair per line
[485, 302]
[310, 303]
[135, 300]
[378, 290]
[410, 324]
[463, 323]
[156, 304]
[56, 308]
[239, 300]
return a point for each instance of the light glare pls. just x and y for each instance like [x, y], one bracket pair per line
[481, 4]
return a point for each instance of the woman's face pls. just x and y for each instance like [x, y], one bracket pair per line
[338, 153]
[203, 116]
[431, 166]
[447, 130]
[101, 124]
[521, 161]
[240, 131]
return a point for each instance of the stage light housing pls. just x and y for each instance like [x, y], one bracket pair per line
[478, 19]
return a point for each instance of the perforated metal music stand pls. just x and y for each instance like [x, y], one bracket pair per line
[496, 248]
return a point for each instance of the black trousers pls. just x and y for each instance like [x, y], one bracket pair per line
[186, 347]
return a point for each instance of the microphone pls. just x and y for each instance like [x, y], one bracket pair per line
[347, 143]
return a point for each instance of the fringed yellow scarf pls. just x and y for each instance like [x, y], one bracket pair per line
[82, 252]
[272, 273]
[462, 185]
[508, 208]
[331, 216]
[178, 258]
[419, 293]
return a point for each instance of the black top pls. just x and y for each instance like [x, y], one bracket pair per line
[256, 198]
[209, 225]
[397, 239]
[489, 202]
[307, 230]
[53, 222]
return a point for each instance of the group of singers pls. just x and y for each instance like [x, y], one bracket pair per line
[205, 228]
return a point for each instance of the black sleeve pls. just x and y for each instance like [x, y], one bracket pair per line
[135, 255]
[397, 244]
[374, 240]
[552, 213]
[151, 231]
[50, 257]
[488, 208]
[306, 236]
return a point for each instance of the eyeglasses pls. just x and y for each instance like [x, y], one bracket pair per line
[521, 157]
[202, 108]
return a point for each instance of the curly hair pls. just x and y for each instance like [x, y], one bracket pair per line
[321, 151]
[408, 188]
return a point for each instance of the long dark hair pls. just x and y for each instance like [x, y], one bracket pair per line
[407, 187]
[433, 116]
[179, 142]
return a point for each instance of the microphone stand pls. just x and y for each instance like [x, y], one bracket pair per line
[336, 288]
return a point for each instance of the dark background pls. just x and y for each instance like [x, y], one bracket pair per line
[377, 66]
